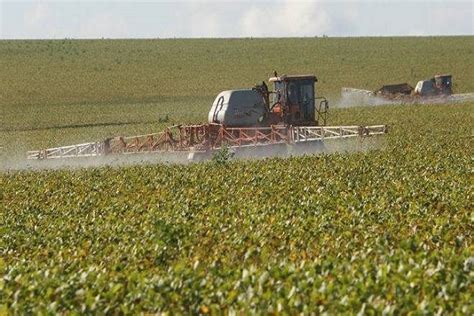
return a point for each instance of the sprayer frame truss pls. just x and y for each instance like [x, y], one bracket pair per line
[205, 137]
[79, 150]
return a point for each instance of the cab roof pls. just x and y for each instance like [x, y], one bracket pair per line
[293, 77]
[443, 75]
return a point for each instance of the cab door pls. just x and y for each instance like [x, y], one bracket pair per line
[300, 100]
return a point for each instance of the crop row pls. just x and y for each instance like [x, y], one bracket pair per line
[386, 230]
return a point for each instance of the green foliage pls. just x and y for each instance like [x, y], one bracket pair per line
[222, 156]
[164, 119]
[381, 231]
[388, 230]
[124, 71]
[104, 88]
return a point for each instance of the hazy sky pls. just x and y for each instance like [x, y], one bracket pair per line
[278, 18]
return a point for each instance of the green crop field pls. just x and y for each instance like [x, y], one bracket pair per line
[381, 231]
[69, 91]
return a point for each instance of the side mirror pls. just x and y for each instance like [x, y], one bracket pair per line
[322, 111]
[324, 105]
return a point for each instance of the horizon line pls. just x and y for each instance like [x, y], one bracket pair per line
[236, 38]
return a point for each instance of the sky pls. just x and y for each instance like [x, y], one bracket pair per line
[39, 19]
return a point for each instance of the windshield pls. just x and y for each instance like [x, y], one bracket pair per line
[301, 92]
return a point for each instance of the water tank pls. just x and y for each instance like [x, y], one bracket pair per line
[238, 108]
[425, 87]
